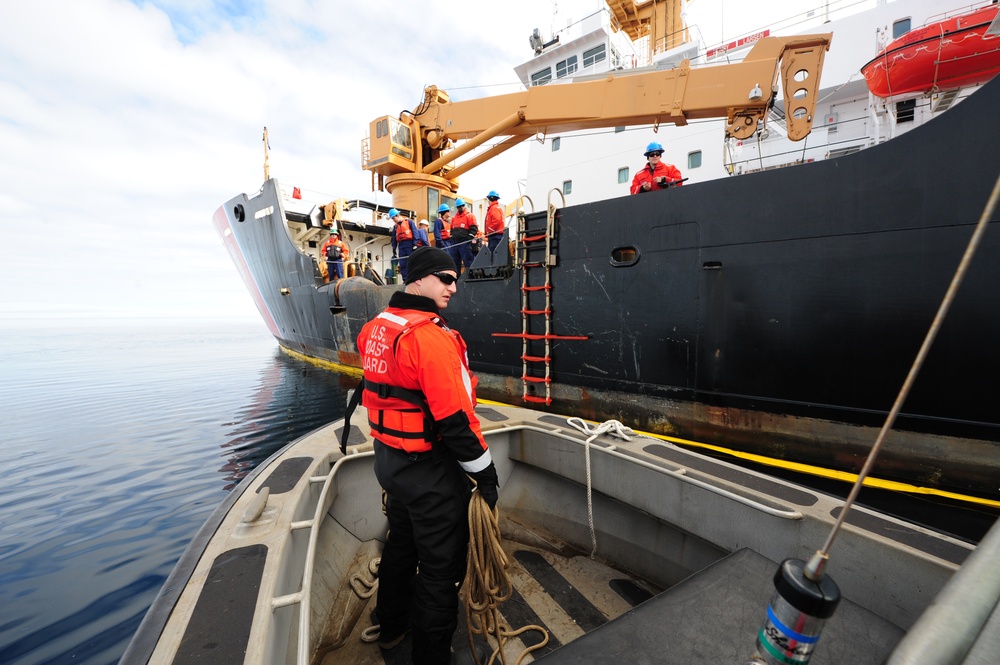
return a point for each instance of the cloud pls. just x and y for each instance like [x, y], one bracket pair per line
[125, 125]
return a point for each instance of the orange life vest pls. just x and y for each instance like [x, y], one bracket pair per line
[445, 228]
[341, 248]
[397, 412]
[404, 230]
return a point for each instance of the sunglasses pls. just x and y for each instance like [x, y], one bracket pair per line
[656, 154]
[445, 278]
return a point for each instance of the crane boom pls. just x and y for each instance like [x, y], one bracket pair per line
[416, 151]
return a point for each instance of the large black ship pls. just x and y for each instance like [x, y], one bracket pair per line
[774, 311]
[777, 312]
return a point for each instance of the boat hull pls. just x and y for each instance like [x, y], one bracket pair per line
[776, 313]
[282, 572]
[941, 56]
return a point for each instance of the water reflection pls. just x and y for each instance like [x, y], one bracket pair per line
[292, 398]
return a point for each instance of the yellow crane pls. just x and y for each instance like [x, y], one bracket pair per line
[414, 156]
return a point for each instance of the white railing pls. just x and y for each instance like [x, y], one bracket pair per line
[302, 596]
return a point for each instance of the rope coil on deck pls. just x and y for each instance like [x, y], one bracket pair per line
[487, 584]
[365, 588]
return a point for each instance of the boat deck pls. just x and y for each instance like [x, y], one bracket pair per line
[565, 593]
[591, 612]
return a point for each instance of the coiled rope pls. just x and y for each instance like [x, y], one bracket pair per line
[365, 588]
[612, 428]
[487, 584]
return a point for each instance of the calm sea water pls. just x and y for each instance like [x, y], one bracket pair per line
[119, 439]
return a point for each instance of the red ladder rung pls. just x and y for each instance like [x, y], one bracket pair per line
[534, 238]
[536, 311]
[547, 287]
[536, 359]
[547, 401]
[536, 379]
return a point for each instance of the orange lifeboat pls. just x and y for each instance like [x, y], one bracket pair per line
[959, 51]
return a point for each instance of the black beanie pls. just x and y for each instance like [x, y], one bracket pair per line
[426, 260]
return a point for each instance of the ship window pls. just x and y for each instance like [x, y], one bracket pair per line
[555, 144]
[904, 110]
[542, 77]
[566, 67]
[433, 200]
[623, 257]
[694, 159]
[900, 27]
[616, 58]
[567, 187]
[400, 134]
[594, 55]
[623, 174]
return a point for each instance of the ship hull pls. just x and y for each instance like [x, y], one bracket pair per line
[776, 313]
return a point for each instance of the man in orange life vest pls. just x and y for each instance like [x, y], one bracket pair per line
[442, 229]
[403, 238]
[463, 230]
[420, 396]
[655, 174]
[334, 251]
[493, 221]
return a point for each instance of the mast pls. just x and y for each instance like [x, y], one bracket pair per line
[267, 167]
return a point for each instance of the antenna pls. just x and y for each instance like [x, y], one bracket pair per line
[804, 597]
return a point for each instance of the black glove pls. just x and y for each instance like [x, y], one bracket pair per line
[393, 253]
[488, 484]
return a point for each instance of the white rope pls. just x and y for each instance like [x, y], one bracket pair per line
[365, 589]
[611, 428]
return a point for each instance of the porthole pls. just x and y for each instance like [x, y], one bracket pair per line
[238, 213]
[623, 257]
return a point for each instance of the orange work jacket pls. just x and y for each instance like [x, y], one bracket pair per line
[644, 175]
[494, 219]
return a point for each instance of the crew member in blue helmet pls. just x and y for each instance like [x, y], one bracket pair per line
[656, 174]
[404, 237]
[463, 230]
[442, 229]
[494, 221]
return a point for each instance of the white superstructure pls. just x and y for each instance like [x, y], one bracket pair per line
[600, 164]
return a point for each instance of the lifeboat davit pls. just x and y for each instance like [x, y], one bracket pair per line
[959, 51]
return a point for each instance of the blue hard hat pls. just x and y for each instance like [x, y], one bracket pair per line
[459, 203]
[653, 147]
[493, 194]
[443, 208]
[393, 212]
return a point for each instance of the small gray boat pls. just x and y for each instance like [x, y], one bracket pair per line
[687, 550]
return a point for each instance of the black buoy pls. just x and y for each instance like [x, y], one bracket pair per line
[795, 617]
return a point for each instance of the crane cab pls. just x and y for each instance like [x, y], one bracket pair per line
[389, 147]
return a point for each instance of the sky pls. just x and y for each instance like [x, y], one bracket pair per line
[125, 125]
